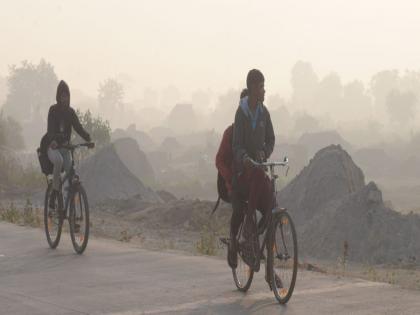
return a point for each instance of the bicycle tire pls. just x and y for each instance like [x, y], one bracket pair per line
[79, 196]
[282, 297]
[243, 287]
[52, 241]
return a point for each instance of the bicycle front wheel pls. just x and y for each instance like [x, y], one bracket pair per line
[53, 220]
[79, 219]
[282, 258]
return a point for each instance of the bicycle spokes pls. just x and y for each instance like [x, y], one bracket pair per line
[79, 220]
[284, 260]
[52, 219]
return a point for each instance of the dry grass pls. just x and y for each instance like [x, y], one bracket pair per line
[28, 216]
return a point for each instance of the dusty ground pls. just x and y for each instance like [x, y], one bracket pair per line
[199, 234]
[119, 278]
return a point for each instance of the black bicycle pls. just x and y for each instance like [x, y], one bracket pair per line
[73, 206]
[280, 242]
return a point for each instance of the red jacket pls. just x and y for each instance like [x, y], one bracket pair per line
[224, 157]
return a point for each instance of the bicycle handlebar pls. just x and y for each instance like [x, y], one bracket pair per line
[72, 147]
[270, 164]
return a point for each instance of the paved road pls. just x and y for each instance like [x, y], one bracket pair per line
[115, 278]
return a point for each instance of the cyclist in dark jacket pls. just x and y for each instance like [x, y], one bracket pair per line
[253, 138]
[61, 119]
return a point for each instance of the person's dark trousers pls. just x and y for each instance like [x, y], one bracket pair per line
[239, 208]
[260, 193]
[255, 186]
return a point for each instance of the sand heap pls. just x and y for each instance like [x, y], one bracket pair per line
[330, 175]
[331, 204]
[105, 176]
[135, 160]
[143, 139]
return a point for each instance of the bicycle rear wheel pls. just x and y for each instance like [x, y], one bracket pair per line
[282, 258]
[243, 273]
[53, 219]
[79, 219]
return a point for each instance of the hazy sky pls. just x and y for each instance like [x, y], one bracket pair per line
[208, 44]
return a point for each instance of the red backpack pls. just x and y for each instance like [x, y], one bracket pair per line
[224, 160]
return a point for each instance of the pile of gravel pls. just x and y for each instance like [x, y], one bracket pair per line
[331, 205]
[135, 160]
[106, 177]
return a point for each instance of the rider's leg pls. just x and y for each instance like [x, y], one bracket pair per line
[259, 191]
[265, 201]
[65, 153]
[255, 181]
[66, 159]
[235, 222]
[57, 161]
[237, 214]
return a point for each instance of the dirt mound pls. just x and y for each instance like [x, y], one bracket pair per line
[330, 175]
[331, 205]
[135, 159]
[105, 176]
[145, 142]
[374, 233]
[166, 196]
[182, 215]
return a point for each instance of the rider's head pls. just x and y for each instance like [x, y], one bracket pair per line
[63, 94]
[255, 85]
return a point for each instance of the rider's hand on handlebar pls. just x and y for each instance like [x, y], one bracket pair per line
[91, 145]
[247, 162]
[261, 156]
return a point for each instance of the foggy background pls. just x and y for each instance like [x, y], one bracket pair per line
[169, 73]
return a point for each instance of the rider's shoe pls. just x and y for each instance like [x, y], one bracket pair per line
[232, 257]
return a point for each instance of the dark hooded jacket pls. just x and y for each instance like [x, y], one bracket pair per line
[61, 119]
[252, 135]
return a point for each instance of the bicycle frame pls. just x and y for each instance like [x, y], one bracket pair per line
[269, 218]
[72, 178]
